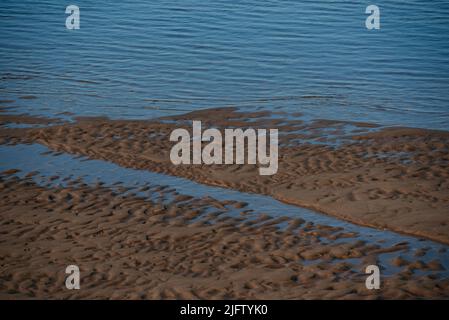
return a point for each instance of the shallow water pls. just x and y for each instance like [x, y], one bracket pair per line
[57, 169]
[134, 59]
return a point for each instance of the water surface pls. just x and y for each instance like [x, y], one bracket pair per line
[134, 59]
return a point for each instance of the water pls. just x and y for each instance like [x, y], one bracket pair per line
[135, 59]
[57, 169]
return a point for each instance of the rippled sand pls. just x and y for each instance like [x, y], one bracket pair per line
[394, 178]
[131, 248]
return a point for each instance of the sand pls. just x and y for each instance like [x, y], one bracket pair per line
[387, 178]
[131, 248]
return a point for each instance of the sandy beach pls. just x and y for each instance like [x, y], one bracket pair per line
[393, 178]
[225, 150]
[132, 247]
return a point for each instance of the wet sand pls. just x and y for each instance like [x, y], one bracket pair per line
[387, 178]
[133, 247]
[128, 247]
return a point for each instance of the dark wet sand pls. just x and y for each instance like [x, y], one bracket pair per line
[393, 178]
[131, 248]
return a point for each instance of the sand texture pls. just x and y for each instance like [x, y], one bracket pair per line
[393, 178]
[131, 248]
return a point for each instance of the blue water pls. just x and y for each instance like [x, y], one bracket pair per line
[140, 58]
